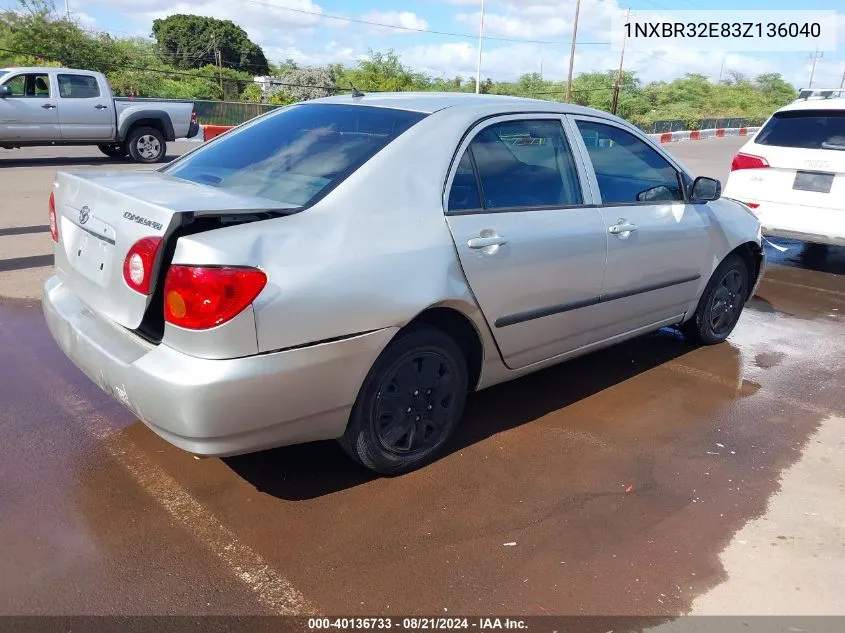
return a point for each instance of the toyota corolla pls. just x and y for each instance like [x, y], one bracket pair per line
[351, 267]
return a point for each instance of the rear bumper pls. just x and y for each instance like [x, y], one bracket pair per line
[216, 407]
[193, 130]
[819, 225]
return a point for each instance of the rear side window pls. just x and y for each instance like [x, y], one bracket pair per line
[297, 155]
[523, 164]
[78, 87]
[805, 129]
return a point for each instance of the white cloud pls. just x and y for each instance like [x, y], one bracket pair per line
[404, 19]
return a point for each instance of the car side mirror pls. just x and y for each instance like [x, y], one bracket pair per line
[660, 193]
[4, 92]
[705, 189]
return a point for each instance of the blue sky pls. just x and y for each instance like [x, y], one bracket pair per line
[532, 34]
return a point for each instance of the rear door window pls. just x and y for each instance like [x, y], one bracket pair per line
[524, 164]
[297, 155]
[805, 129]
[78, 87]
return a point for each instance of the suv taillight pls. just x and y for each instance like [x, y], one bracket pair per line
[199, 297]
[54, 221]
[138, 265]
[747, 161]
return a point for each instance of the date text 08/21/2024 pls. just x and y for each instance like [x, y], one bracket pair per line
[416, 623]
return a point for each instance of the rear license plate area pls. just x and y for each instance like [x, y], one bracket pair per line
[91, 256]
[818, 182]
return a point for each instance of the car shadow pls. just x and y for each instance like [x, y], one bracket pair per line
[816, 257]
[308, 471]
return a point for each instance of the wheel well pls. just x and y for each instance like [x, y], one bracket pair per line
[154, 123]
[462, 331]
[752, 255]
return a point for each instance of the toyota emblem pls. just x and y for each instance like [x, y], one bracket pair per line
[84, 214]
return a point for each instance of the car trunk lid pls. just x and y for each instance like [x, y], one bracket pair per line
[101, 215]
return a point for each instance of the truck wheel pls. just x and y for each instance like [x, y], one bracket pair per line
[113, 151]
[146, 145]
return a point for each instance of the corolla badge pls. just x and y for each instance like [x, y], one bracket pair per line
[84, 214]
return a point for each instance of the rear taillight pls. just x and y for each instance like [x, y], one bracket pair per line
[747, 161]
[193, 117]
[54, 221]
[198, 298]
[138, 265]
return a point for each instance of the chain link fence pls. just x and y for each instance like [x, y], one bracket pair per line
[229, 112]
[679, 125]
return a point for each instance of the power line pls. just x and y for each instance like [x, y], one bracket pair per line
[173, 72]
[412, 29]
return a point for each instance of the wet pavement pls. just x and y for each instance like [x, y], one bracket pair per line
[607, 485]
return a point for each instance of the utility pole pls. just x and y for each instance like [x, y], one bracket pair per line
[842, 83]
[721, 70]
[480, 42]
[67, 10]
[815, 56]
[618, 85]
[218, 61]
[572, 52]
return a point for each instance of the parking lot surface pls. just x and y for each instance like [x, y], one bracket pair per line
[652, 478]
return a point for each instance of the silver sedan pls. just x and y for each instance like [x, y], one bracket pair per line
[350, 268]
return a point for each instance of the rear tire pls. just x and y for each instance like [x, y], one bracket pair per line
[721, 304]
[409, 404]
[146, 145]
[113, 151]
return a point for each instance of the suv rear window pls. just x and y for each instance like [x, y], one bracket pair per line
[297, 155]
[805, 129]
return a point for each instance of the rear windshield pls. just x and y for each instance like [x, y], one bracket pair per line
[806, 129]
[296, 156]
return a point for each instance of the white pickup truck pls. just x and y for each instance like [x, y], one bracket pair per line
[62, 106]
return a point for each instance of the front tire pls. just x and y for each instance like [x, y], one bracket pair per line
[113, 151]
[146, 145]
[409, 404]
[721, 304]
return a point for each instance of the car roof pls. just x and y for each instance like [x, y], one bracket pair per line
[44, 69]
[815, 103]
[430, 102]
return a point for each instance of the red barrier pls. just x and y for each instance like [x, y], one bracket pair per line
[695, 135]
[743, 131]
[720, 133]
[666, 137]
[211, 131]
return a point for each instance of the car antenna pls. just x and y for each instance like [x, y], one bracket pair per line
[355, 91]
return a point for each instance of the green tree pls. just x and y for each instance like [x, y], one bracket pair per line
[190, 41]
[34, 35]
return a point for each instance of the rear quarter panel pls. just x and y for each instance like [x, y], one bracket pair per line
[372, 254]
[177, 113]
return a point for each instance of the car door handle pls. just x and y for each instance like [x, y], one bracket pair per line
[620, 227]
[101, 107]
[49, 106]
[486, 242]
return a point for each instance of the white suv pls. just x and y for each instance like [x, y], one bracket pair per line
[792, 172]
